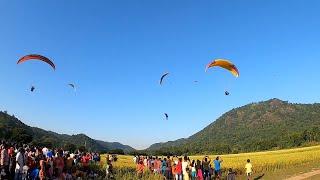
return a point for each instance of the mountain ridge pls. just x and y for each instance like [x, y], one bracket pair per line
[264, 125]
[14, 129]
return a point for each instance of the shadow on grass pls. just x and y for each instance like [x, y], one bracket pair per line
[259, 177]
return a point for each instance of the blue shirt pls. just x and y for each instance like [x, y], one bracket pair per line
[49, 154]
[217, 165]
[34, 174]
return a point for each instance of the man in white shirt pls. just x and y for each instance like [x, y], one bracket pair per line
[20, 162]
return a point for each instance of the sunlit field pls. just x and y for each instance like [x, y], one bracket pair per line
[281, 163]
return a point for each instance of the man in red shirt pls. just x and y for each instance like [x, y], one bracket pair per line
[85, 162]
[179, 170]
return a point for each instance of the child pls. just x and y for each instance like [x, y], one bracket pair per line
[200, 174]
[248, 169]
[231, 175]
[140, 169]
[174, 170]
[193, 170]
[109, 169]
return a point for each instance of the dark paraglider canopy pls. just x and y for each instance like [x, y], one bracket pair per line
[227, 93]
[72, 85]
[162, 77]
[167, 116]
[37, 57]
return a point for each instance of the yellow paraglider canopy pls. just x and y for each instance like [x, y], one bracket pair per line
[226, 64]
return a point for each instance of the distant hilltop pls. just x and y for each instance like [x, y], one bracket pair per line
[13, 129]
[267, 125]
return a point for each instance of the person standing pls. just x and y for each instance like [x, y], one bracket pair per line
[174, 171]
[169, 167]
[193, 170]
[20, 162]
[231, 175]
[59, 163]
[140, 169]
[179, 170]
[217, 167]
[185, 168]
[4, 161]
[248, 168]
[134, 159]
[199, 170]
[206, 167]
[164, 168]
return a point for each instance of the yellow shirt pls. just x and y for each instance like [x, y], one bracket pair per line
[248, 168]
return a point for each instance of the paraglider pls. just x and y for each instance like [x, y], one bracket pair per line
[32, 88]
[72, 86]
[166, 115]
[37, 57]
[223, 63]
[162, 77]
[227, 93]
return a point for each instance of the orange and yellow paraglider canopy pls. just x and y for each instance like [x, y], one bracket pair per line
[226, 64]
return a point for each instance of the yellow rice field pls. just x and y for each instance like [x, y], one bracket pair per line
[303, 159]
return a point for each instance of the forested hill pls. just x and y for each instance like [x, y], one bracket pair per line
[272, 124]
[13, 129]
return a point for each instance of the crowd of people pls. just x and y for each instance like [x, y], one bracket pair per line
[178, 168]
[24, 162]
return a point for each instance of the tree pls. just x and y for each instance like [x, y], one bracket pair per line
[21, 135]
[70, 147]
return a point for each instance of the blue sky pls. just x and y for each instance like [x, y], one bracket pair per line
[116, 51]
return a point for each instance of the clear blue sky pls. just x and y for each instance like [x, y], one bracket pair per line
[116, 51]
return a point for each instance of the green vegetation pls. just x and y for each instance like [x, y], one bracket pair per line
[268, 125]
[13, 129]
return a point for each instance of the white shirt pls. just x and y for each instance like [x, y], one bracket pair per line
[20, 160]
[184, 167]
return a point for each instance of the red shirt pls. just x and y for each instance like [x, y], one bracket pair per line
[140, 168]
[85, 161]
[11, 151]
[179, 168]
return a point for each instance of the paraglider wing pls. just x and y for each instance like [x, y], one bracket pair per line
[72, 85]
[223, 63]
[167, 117]
[37, 57]
[162, 77]
[226, 93]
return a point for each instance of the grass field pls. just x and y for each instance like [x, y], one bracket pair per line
[272, 164]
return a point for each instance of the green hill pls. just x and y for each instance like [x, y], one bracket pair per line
[13, 129]
[272, 124]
